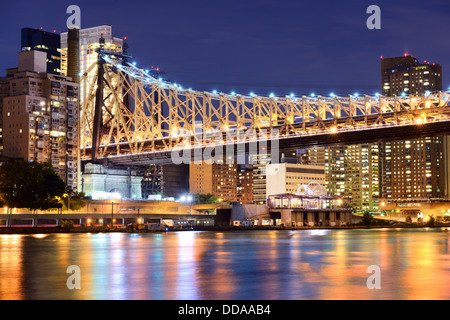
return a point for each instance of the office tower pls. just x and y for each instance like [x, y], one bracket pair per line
[88, 40]
[40, 116]
[259, 162]
[50, 43]
[313, 156]
[219, 179]
[288, 177]
[351, 171]
[362, 176]
[335, 158]
[405, 75]
[415, 168]
[245, 184]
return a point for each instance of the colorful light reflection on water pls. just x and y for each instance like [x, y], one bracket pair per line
[247, 265]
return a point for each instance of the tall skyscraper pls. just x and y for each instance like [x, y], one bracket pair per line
[88, 40]
[40, 116]
[415, 168]
[351, 171]
[406, 75]
[48, 42]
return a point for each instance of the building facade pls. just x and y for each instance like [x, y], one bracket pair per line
[245, 184]
[405, 75]
[415, 168]
[88, 44]
[351, 171]
[40, 116]
[218, 179]
[259, 163]
[48, 42]
[288, 177]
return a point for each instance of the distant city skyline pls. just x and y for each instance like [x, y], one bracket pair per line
[260, 46]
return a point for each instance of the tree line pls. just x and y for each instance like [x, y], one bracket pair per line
[35, 186]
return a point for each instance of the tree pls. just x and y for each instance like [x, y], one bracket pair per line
[74, 199]
[205, 198]
[431, 221]
[367, 218]
[30, 185]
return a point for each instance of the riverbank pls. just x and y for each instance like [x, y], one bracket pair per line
[50, 230]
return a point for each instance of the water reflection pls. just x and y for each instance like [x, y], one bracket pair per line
[306, 264]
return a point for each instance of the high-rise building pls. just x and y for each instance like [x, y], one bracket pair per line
[88, 40]
[415, 168]
[48, 42]
[351, 171]
[219, 179]
[245, 184]
[406, 75]
[259, 163]
[40, 116]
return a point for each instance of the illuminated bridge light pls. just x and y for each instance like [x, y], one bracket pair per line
[302, 124]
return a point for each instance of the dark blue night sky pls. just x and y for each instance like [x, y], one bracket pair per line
[261, 46]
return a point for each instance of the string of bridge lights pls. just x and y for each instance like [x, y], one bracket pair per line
[165, 83]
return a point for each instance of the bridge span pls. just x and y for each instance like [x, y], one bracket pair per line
[128, 116]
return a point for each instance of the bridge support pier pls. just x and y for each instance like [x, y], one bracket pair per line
[103, 183]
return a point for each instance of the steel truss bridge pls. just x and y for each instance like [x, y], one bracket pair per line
[130, 116]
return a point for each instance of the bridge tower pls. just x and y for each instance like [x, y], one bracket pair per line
[101, 180]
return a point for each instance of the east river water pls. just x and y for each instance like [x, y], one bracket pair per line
[238, 265]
